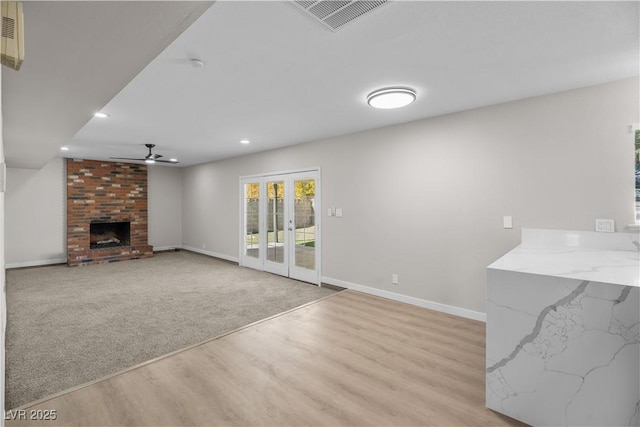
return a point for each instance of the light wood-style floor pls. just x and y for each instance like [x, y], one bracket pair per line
[350, 359]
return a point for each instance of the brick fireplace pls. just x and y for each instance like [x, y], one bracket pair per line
[106, 212]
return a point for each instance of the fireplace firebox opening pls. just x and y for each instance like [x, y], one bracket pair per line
[109, 234]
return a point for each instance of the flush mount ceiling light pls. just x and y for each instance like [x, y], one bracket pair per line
[245, 141]
[391, 97]
[101, 115]
[65, 148]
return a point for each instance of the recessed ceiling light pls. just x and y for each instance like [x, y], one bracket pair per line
[244, 141]
[101, 115]
[64, 148]
[391, 97]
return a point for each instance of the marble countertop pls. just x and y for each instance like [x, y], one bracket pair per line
[618, 267]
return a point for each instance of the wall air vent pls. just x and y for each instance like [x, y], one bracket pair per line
[12, 40]
[334, 14]
[8, 27]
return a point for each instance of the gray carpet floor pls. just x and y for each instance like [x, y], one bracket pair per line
[67, 326]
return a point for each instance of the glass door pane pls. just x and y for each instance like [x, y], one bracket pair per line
[252, 220]
[280, 230]
[275, 222]
[304, 223]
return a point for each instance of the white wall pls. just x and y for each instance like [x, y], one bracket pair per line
[425, 200]
[35, 221]
[165, 207]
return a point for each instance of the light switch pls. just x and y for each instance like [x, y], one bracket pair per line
[339, 212]
[507, 221]
[605, 225]
[330, 212]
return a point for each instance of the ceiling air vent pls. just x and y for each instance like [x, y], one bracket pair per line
[333, 14]
[12, 40]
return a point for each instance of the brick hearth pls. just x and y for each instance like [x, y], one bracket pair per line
[99, 191]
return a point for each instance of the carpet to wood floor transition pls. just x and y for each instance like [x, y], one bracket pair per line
[350, 359]
[67, 326]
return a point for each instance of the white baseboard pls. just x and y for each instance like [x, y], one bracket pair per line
[456, 311]
[36, 263]
[212, 254]
[155, 248]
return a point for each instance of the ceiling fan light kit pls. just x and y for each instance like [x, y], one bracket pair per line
[149, 158]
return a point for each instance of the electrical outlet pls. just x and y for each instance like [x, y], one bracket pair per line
[394, 279]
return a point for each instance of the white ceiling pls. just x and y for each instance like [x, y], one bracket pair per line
[276, 77]
[79, 55]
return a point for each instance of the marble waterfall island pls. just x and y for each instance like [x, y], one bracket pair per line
[563, 329]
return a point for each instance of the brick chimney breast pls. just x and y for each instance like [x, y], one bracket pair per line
[104, 192]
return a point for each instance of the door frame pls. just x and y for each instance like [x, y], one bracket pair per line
[258, 263]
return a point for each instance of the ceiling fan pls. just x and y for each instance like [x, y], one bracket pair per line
[150, 158]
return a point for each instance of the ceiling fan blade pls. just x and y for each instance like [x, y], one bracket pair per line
[149, 158]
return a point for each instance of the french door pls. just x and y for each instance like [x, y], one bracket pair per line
[280, 227]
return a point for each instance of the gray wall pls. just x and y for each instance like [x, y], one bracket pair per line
[165, 207]
[3, 295]
[425, 200]
[35, 221]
